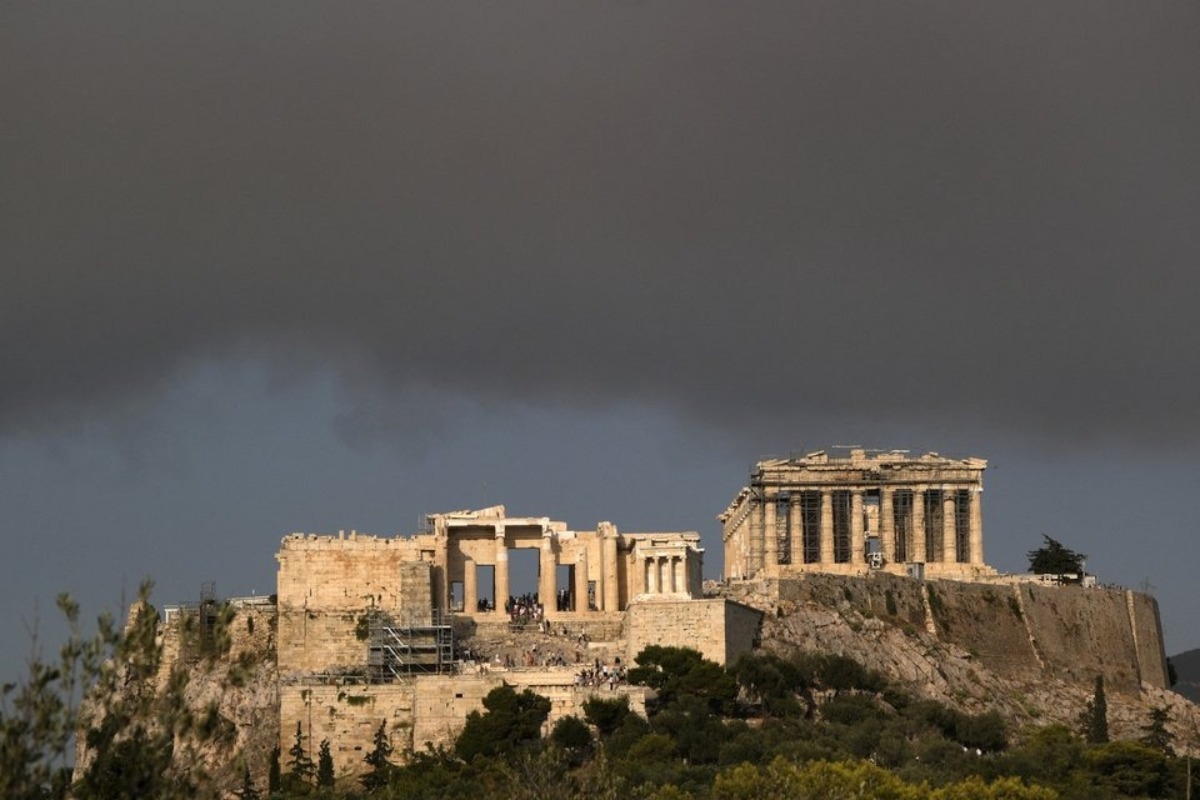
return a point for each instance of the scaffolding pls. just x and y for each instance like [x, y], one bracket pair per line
[398, 649]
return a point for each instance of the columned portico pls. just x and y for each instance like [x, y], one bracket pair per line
[606, 568]
[921, 514]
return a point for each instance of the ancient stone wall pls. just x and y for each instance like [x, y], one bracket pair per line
[704, 625]
[1020, 631]
[346, 572]
[329, 585]
[420, 710]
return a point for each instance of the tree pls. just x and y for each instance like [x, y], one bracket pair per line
[300, 763]
[1095, 715]
[1130, 769]
[130, 727]
[675, 672]
[606, 714]
[571, 733]
[247, 792]
[1052, 558]
[1155, 733]
[274, 778]
[377, 760]
[511, 720]
[38, 716]
[324, 765]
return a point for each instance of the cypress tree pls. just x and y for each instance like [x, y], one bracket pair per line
[1097, 722]
[325, 765]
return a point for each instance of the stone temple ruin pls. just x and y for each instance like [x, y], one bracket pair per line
[415, 630]
[412, 632]
[373, 628]
[918, 516]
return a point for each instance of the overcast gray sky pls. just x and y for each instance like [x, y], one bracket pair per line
[278, 266]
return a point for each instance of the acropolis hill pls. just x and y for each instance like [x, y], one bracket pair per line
[877, 556]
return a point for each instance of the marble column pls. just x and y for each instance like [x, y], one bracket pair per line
[581, 582]
[608, 546]
[918, 525]
[795, 530]
[770, 537]
[681, 575]
[470, 587]
[976, 525]
[547, 579]
[887, 525]
[826, 526]
[948, 529]
[652, 575]
[858, 541]
[502, 591]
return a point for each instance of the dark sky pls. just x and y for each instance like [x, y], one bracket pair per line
[278, 266]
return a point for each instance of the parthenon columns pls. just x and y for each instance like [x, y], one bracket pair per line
[502, 591]
[918, 524]
[770, 537]
[795, 533]
[826, 526]
[976, 526]
[887, 524]
[948, 525]
[842, 507]
[857, 541]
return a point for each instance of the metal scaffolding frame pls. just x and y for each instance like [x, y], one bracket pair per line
[397, 649]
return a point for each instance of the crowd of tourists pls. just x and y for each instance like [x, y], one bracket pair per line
[525, 609]
[600, 674]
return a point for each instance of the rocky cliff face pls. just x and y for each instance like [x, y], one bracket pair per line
[217, 687]
[1031, 652]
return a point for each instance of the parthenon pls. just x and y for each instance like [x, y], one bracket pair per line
[849, 514]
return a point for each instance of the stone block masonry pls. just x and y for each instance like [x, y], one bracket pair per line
[720, 629]
[418, 711]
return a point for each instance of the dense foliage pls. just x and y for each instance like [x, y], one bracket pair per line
[807, 725]
[1052, 558]
[804, 725]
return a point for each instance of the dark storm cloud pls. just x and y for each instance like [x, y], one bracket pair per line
[983, 212]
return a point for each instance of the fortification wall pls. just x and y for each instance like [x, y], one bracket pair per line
[334, 572]
[327, 588]
[1022, 631]
[1147, 627]
[321, 642]
[418, 710]
[721, 630]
